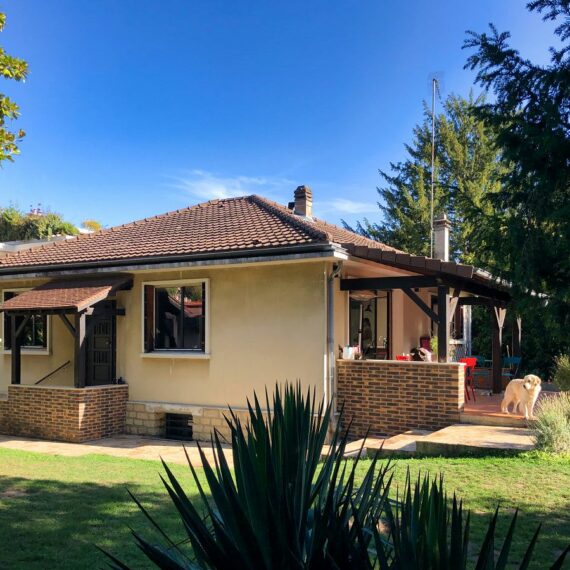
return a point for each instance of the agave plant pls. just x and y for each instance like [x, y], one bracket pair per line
[425, 533]
[281, 507]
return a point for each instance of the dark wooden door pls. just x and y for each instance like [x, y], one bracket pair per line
[100, 341]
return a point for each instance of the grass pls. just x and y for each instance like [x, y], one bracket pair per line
[54, 510]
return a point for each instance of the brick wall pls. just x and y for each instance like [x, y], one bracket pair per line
[3, 413]
[65, 414]
[392, 397]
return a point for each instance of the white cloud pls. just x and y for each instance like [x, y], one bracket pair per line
[205, 185]
[344, 206]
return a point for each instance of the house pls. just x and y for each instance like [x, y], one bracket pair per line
[165, 321]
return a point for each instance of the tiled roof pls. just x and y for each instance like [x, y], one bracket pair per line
[218, 226]
[65, 295]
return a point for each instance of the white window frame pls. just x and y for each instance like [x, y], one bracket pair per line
[26, 350]
[170, 353]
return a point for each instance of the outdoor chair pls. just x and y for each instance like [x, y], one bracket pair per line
[480, 370]
[511, 365]
[470, 363]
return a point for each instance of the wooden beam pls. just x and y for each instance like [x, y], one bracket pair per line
[443, 325]
[68, 325]
[22, 325]
[453, 303]
[387, 283]
[419, 302]
[481, 301]
[476, 288]
[16, 352]
[80, 350]
[500, 314]
[496, 339]
[517, 336]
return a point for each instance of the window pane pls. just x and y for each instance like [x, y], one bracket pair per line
[368, 325]
[194, 311]
[180, 318]
[34, 334]
[167, 318]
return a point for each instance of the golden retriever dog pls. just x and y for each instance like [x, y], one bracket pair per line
[522, 393]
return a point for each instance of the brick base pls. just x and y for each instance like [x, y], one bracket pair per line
[64, 414]
[391, 397]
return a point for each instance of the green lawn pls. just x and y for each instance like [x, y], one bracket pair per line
[53, 510]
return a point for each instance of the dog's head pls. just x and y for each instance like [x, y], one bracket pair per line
[531, 382]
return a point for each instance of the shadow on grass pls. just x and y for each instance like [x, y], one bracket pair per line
[51, 524]
[55, 524]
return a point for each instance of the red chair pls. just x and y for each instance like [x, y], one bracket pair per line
[403, 357]
[470, 363]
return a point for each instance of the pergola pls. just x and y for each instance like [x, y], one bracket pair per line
[456, 285]
[72, 300]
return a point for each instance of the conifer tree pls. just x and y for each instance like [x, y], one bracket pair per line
[467, 168]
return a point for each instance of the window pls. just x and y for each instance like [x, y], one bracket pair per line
[369, 323]
[35, 332]
[175, 317]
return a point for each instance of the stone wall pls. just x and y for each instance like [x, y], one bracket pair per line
[148, 419]
[392, 397]
[64, 414]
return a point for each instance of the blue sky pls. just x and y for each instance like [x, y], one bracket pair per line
[137, 107]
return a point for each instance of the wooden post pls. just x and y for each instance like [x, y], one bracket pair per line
[497, 322]
[16, 352]
[80, 350]
[443, 324]
[517, 336]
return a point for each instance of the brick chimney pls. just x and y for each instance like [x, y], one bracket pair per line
[441, 227]
[303, 202]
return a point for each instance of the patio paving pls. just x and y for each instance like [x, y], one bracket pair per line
[128, 446]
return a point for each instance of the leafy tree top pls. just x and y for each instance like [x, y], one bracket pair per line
[530, 112]
[16, 225]
[467, 167]
[15, 69]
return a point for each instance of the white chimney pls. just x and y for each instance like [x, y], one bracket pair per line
[441, 227]
[303, 202]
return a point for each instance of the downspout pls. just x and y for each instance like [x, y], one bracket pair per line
[329, 388]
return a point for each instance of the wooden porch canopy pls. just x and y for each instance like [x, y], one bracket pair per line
[450, 280]
[61, 297]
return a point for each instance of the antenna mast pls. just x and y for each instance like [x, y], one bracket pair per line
[434, 86]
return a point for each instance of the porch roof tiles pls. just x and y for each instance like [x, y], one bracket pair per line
[65, 295]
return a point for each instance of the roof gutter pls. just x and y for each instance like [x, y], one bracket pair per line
[291, 253]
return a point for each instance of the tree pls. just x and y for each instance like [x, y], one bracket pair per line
[529, 231]
[91, 225]
[16, 69]
[15, 225]
[467, 168]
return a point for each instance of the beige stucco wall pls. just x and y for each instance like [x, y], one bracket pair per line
[415, 322]
[34, 365]
[267, 325]
[341, 304]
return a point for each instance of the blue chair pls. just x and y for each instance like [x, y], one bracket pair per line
[480, 370]
[511, 365]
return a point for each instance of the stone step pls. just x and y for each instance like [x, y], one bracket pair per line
[404, 444]
[492, 419]
[460, 439]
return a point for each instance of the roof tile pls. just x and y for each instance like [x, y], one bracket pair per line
[234, 224]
